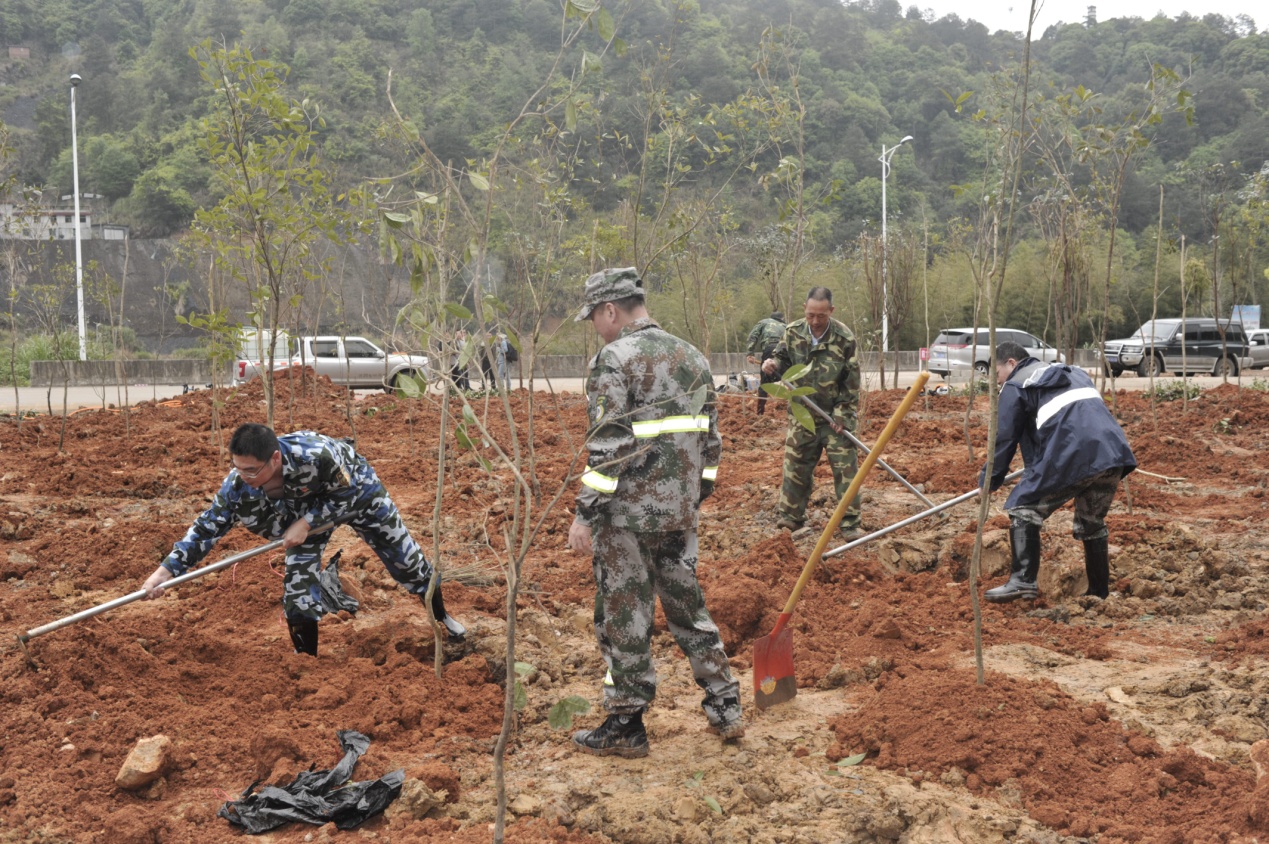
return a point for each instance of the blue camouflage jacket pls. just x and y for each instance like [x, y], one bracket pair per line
[1055, 414]
[323, 479]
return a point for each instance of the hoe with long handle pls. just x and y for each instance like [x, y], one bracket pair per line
[859, 444]
[23, 638]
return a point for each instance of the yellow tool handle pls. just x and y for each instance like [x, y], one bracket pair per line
[873, 456]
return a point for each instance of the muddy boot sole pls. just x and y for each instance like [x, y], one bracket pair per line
[729, 732]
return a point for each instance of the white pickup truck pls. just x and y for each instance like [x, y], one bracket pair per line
[349, 361]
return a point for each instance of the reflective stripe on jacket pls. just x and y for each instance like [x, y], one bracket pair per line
[1055, 414]
[653, 439]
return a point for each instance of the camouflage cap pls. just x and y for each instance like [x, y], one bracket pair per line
[609, 286]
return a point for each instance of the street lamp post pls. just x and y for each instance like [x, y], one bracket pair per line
[885, 301]
[75, 79]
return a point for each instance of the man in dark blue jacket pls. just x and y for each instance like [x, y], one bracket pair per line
[1072, 448]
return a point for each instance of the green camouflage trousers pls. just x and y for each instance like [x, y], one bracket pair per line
[801, 452]
[631, 571]
[1093, 497]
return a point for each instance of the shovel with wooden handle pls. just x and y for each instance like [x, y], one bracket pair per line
[82, 615]
[859, 444]
[774, 679]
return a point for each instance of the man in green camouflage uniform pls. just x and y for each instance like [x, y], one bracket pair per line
[828, 348]
[653, 450]
[763, 339]
[279, 488]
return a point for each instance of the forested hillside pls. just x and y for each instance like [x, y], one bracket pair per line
[727, 147]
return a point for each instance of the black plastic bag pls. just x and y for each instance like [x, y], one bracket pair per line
[317, 797]
[334, 598]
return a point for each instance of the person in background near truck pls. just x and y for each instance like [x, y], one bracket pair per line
[763, 339]
[828, 348]
[458, 369]
[1071, 448]
[486, 371]
[279, 488]
[500, 362]
[653, 449]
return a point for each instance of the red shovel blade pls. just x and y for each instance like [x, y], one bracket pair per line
[774, 680]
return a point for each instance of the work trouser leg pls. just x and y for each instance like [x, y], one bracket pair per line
[844, 461]
[674, 555]
[381, 527]
[801, 452]
[765, 378]
[379, 524]
[623, 618]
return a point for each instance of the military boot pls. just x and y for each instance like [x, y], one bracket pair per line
[303, 635]
[1097, 566]
[455, 631]
[619, 735]
[724, 717]
[1024, 540]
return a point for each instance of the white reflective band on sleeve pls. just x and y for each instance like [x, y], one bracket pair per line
[670, 425]
[1050, 408]
[710, 473]
[596, 481]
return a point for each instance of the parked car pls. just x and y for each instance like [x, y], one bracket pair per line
[253, 350]
[1195, 346]
[1258, 349]
[349, 361]
[955, 350]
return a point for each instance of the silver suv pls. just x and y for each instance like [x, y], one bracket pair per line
[955, 350]
[1258, 348]
[1195, 346]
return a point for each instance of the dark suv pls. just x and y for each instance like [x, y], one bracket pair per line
[1195, 346]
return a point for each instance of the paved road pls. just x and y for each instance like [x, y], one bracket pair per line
[38, 399]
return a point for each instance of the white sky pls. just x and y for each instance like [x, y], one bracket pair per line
[1012, 14]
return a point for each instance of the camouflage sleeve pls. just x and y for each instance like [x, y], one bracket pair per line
[756, 336]
[335, 487]
[845, 411]
[206, 531]
[781, 354]
[608, 442]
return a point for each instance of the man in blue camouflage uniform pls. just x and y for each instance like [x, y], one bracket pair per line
[653, 450]
[828, 348]
[763, 339]
[1072, 448]
[279, 488]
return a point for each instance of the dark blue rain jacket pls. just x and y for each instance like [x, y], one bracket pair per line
[1056, 415]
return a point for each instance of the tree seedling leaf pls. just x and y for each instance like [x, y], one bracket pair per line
[560, 716]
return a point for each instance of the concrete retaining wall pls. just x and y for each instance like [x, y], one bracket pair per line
[90, 373]
[198, 372]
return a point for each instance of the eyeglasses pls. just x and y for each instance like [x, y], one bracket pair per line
[252, 474]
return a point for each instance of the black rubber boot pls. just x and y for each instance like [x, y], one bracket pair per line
[1024, 539]
[303, 635]
[1097, 566]
[455, 631]
[619, 735]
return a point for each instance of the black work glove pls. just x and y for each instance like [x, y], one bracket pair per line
[707, 489]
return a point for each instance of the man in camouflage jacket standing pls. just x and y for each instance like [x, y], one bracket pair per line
[763, 339]
[828, 348]
[653, 450]
[279, 488]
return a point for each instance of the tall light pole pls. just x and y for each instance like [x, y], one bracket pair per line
[885, 301]
[75, 79]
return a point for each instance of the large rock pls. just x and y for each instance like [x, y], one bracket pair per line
[145, 763]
